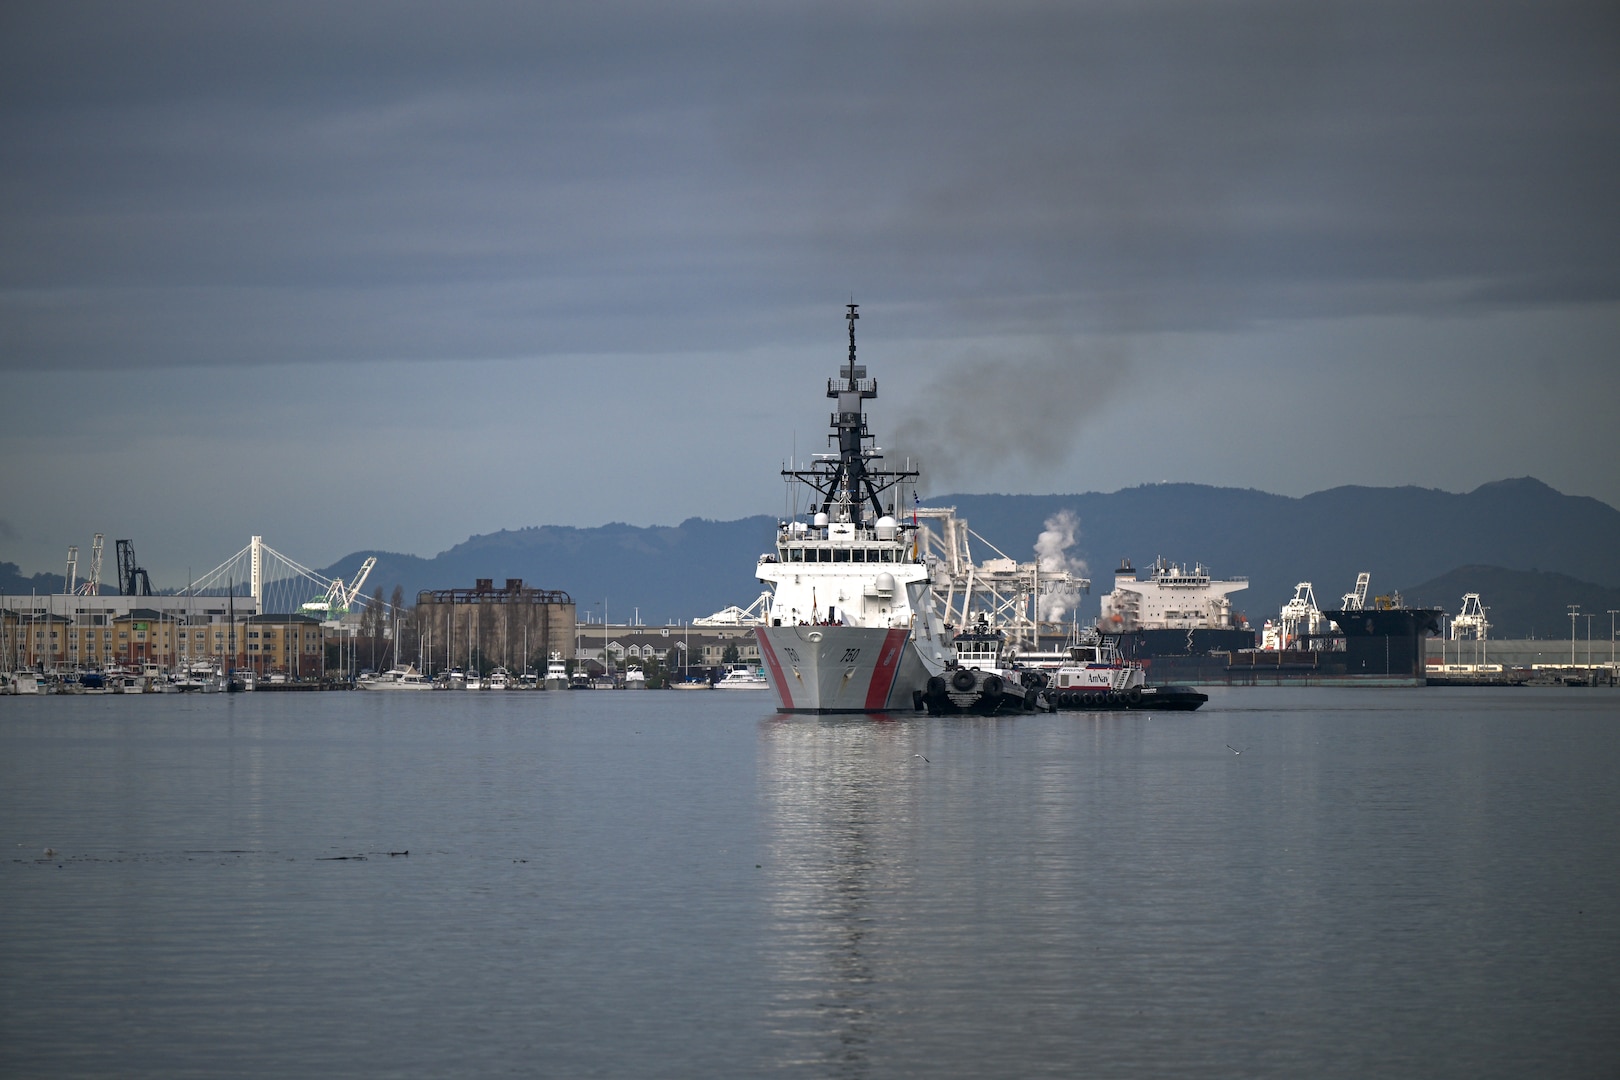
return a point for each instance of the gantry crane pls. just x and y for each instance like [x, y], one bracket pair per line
[335, 604]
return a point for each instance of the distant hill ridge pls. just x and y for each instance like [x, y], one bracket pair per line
[1401, 535]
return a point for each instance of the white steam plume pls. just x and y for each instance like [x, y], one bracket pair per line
[1051, 555]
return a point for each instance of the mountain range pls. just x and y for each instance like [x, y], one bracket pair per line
[1528, 549]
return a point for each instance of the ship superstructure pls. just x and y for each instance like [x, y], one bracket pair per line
[1170, 598]
[853, 625]
[1174, 611]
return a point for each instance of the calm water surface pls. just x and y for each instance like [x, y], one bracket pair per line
[1382, 883]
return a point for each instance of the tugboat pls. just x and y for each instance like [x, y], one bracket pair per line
[853, 626]
[982, 682]
[1096, 677]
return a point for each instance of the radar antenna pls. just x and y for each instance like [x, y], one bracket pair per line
[847, 485]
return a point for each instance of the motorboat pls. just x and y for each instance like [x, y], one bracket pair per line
[742, 677]
[398, 677]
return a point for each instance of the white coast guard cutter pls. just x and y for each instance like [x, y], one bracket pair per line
[852, 626]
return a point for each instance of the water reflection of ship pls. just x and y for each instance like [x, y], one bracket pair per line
[835, 849]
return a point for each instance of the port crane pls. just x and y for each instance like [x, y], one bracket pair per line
[1470, 621]
[338, 598]
[1299, 612]
[756, 614]
[1014, 597]
[129, 572]
[1356, 600]
[92, 584]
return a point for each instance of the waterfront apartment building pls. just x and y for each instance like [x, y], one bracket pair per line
[293, 645]
[103, 631]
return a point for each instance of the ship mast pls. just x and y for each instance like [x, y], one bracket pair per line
[846, 484]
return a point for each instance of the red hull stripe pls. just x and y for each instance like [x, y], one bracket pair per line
[781, 684]
[888, 667]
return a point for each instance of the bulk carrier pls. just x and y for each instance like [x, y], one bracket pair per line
[853, 625]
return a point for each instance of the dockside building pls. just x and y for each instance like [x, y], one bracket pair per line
[485, 627]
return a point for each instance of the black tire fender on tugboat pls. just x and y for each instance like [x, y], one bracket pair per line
[963, 679]
[1135, 695]
[992, 686]
[936, 685]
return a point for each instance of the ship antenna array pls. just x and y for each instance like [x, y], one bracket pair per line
[843, 480]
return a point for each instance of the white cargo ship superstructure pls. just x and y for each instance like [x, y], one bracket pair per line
[853, 625]
[1171, 598]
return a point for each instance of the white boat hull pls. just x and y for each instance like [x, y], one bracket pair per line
[843, 669]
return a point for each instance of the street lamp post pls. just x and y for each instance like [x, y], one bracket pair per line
[1612, 613]
[1573, 608]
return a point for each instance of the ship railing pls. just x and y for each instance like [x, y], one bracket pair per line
[863, 387]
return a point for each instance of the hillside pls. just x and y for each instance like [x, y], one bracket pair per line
[1400, 535]
[1522, 603]
[668, 572]
[13, 582]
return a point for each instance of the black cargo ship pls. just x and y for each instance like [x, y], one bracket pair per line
[1386, 642]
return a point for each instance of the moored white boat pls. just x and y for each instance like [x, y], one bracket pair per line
[743, 677]
[24, 682]
[556, 673]
[398, 677]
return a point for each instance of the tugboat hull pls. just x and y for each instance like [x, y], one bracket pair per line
[1159, 698]
[981, 693]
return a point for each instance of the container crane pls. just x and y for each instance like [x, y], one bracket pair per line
[1470, 622]
[335, 604]
[72, 575]
[92, 584]
[1357, 600]
[129, 572]
[1301, 612]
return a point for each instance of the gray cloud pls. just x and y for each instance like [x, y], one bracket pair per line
[191, 184]
[263, 248]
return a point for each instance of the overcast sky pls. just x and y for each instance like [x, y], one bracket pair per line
[384, 275]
